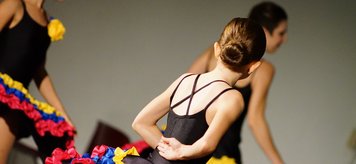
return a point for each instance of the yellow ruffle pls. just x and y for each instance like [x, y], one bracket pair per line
[18, 86]
[56, 30]
[120, 154]
[222, 160]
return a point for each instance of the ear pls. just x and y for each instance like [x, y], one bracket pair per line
[217, 50]
[267, 33]
[254, 66]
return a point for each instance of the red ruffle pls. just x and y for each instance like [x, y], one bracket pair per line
[59, 155]
[42, 126]
[99, 151]
[139, 145]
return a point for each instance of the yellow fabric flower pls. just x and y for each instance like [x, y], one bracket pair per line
[222, 160]
[120, 154]
[56, 30]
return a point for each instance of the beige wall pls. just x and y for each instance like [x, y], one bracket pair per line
[117, 55]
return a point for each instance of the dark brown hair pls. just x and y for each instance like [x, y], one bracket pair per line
[268, 15]
[242, 42]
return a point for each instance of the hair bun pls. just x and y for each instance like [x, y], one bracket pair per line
[242, 42]
[233, 53]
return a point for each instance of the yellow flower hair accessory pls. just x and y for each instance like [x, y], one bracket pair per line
[56, 30]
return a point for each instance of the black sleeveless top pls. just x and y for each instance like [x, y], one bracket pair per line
[23, 49]
[187, 128]
[229, 143]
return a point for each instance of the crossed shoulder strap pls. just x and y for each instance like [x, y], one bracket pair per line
[175, 90]
[194, 91]
[217, 96]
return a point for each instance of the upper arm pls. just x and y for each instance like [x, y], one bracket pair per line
[7, 12]
[200, 64]
[260, 84]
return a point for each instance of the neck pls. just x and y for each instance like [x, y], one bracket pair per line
[37, 3]
[226, 74]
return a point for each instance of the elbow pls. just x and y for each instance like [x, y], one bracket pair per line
[199, 149]
[256, 121]
[208, 147]
[253, 122]
[250, 123]
[136, 126]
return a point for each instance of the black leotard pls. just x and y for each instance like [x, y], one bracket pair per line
[186, 128]
[23, 49]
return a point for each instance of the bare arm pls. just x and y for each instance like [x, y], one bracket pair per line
[256, 113]
[7, 12]
[145, 122]
[201, 64]
[226, 112]
[47, 90]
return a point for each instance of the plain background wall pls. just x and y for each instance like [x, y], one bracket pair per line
[117, 55]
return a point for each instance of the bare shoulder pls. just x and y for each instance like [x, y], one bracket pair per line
[266, 67]
[230, 101]
[10, 2]
[265, 71]
[10, 6]
[232, 97]
[264, 75]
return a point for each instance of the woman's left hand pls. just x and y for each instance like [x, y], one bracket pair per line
[170, 148]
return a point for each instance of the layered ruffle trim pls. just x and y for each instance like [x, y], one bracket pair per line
[100, 155]
[45, 117]
[223, 160]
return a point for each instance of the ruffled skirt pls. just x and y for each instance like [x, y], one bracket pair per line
[27, 116]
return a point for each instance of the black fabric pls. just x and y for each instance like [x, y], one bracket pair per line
[135, 160]
[23, 48]
[19, 124]
[47, 143]
[229, 144]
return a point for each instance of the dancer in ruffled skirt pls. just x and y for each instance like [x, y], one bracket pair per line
[24, 40]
